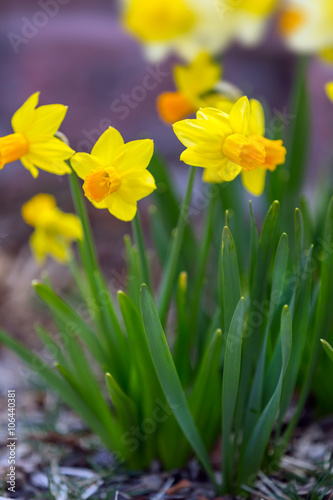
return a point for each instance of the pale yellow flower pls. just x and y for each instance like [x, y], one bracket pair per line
[307, 26]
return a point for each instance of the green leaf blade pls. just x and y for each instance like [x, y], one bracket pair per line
[230, 288]
[252, 456]
[230, 384]
[168, 377]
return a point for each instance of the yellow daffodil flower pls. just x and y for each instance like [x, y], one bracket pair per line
[228, 144]
[329, 90]
[115, 174]
[195, 85]
[33, 140]
[54, 229]
[189, 27]
[307, 26]
[158, 20]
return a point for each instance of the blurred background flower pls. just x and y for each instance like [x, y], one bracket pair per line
[54, 230]
[198, 85]
[308, 27]
[190, 26]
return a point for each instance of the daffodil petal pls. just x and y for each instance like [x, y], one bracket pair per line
[39, 204]
[136, 187]
[254, 180]
[28, 164]
[191, 157]
[24, 115]
[212, 175]
[50, 156]
[329, 90]
[257, 118]
[38, 245]
[120, 208]
[99, 204]
[229, 171]
[107, 146]
[190, 133]
[46, 121]
[215, 121]
[42, 245]
[134, 156]
[220, 117]
[226, 172]
[59, 249]
[54, 148]
[326, 55]
[210, 153]
[67, 225]
[199, 77]
[56, 167]
[84, 163]
[240, 115]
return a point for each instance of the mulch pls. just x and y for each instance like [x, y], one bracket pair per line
[57, 458]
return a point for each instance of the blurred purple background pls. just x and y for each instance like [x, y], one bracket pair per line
[76, 53]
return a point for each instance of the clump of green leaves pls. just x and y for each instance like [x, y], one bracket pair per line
[226, 360]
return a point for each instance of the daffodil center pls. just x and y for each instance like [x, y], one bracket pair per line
[275, 153]
[100, 183]
[12, 147]
[174, 106]
[290, 21]
[249, 153]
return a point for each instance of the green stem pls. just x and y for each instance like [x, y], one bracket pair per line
[201, 263]
[171, 268]
[140, 244]
[87, 246]
[103, 308]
